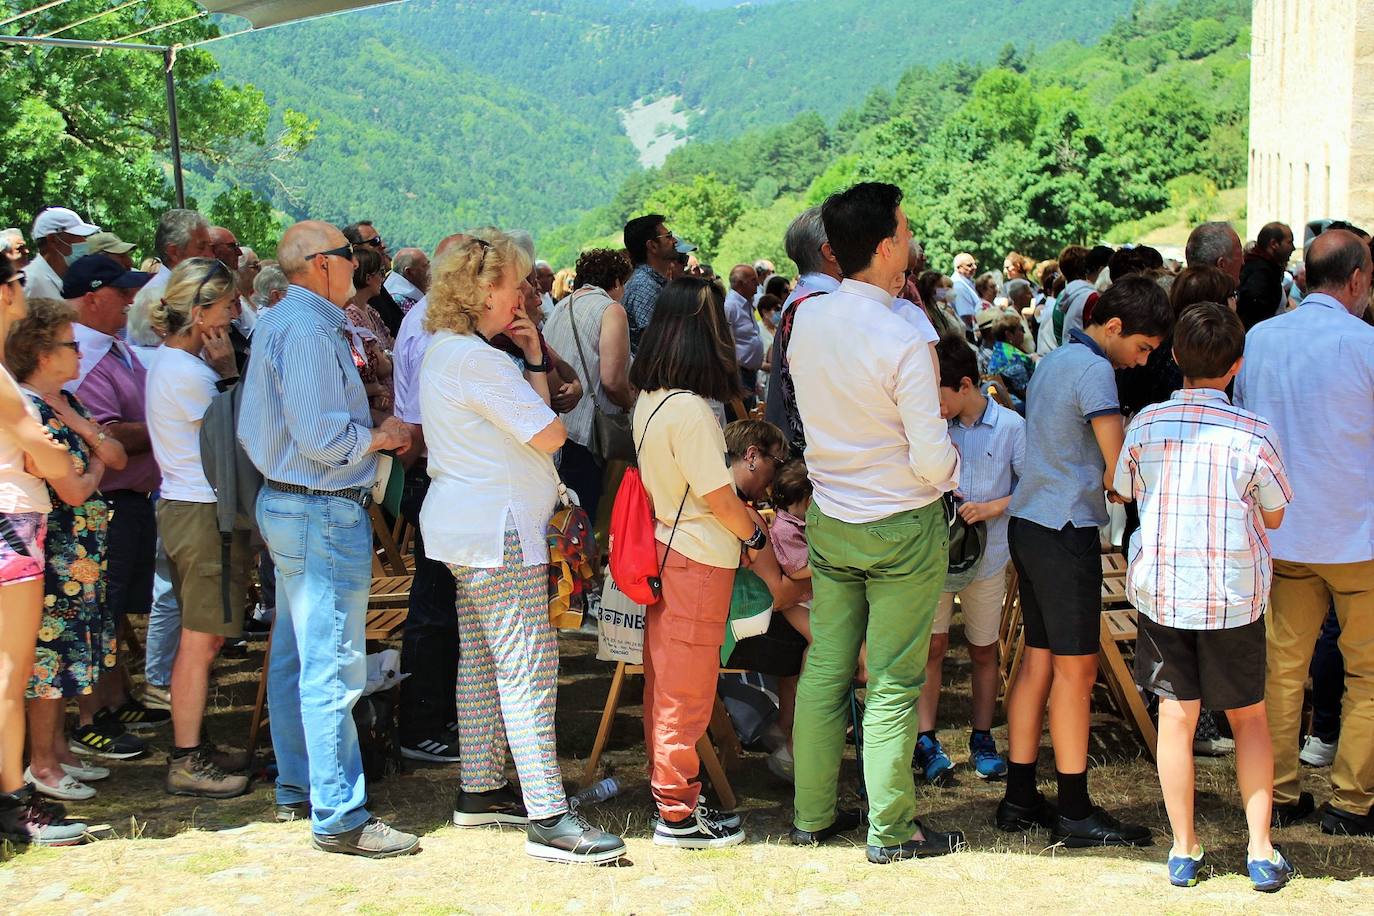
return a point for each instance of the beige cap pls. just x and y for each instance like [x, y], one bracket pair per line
[103, 242]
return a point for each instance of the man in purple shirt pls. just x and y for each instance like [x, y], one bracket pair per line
[110, 383]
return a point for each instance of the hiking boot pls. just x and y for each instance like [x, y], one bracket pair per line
[106, 739]
[197, 774]
[28, 818]
[486, 809]
[932, 761]
[293, 811]
[68, 788]
[438, 748]
[135, 715]
[696, 831]
[1289, 814]
[987, 763]
[1317, 753]
[373, 840]
[569, 838]
[229, 761]
[932, 843]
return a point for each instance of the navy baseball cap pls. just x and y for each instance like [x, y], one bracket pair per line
[93, 271]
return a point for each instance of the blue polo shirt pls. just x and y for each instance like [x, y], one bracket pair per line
[1063, 479]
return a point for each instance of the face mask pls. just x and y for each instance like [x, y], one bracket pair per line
[79, 250]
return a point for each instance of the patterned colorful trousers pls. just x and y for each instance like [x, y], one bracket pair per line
[508, 680]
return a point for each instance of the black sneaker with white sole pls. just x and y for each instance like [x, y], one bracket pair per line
[696, 831]
[440, 748]
[106, 739]
[487, 809]
[569, 838]
[728, 819]
[133, 714]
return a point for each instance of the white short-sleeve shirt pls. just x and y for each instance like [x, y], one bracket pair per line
[480, 415]
[179, 390]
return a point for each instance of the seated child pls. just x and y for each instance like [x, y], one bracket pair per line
[1209, 480]
[992, 443]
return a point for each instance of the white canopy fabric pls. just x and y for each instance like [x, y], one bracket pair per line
[264, 13]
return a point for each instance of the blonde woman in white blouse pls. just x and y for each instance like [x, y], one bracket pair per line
[490, 431]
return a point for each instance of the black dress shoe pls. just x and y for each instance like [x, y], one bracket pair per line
[1098, 829]
[1290, 814]
[1343, 823]
[844, 822]
[1012, 817]
[932, 843]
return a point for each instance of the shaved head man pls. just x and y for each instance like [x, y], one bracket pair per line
[306, 426]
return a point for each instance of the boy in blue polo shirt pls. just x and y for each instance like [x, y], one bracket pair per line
[1073, 436]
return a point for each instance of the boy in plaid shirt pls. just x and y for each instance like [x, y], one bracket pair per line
[1209, 480]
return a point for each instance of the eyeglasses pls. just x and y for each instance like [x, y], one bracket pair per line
[19, 277]
[251, 265]
[345, 252]
[375, 241]
[73, 345]
[667, 235]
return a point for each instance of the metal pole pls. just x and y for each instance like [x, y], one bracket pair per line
[169, 57]
[78, 43]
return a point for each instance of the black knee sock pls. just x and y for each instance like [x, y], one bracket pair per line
[1021, 784]
[1074, 803]
[930, 734]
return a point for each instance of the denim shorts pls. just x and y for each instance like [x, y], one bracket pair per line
[21, 546]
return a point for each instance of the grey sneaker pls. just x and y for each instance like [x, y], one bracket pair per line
[198, 774]
[373, 840]
[571, 839]
[28, 818]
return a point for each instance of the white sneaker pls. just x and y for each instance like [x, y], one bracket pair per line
[87, 772]
[1316, 752]
[68, 789]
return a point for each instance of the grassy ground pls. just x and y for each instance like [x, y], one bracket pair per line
[176, 855]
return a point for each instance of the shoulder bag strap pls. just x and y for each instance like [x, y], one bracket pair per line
[681, 505]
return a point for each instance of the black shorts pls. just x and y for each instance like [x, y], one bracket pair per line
[778, 652]
[1060, 576]
[1222, 668]
[130, 554]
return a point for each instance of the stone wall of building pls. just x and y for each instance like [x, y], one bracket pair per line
[1311, 113]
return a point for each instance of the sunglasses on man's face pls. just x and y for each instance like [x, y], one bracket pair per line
[344, 252]
[375, 241]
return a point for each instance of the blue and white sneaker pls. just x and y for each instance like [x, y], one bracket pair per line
[930, 758]
[987, 763]
[1268, 875]
[1184, 870]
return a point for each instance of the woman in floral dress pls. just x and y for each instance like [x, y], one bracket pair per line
[76, 638]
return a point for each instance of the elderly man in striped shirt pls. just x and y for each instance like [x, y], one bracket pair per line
[305, 425]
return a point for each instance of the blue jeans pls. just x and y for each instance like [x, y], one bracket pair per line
[164, 624]
[321, 546]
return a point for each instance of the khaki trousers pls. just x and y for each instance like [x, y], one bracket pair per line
[1301, 596]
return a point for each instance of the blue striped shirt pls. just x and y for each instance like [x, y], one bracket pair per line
[304, 418]
[991, 452]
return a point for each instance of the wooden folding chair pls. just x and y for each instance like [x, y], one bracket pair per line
[720, 732]
[1011, 638]
[388, 554]
[1118, 626]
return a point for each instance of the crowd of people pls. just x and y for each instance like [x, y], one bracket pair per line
[198, 441]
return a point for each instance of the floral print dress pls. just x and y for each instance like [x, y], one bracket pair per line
[76, 637]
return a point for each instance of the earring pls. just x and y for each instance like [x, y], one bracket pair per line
[751, 465]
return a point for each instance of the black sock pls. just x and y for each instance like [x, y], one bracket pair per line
[180, 752]
[980, 732]
[1074, 803]
[1021, 784]
[930, 734]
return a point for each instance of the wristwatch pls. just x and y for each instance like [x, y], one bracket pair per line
[538, 367]
[758, 540]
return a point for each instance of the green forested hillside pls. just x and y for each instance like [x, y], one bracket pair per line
[1036, 151]
[436, 114]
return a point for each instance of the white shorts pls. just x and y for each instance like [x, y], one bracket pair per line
[981, 602]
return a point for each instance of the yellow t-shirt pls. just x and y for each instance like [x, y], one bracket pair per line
[685, 451]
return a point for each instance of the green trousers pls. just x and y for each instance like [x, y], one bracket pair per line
[876, 583]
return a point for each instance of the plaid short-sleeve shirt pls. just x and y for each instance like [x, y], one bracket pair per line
[1200, 470]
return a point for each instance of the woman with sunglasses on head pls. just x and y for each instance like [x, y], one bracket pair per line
[196, 363]
[371, 341]
[490, 431]
[27, 452]
[76, 636]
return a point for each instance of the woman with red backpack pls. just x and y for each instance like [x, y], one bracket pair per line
[686, 359]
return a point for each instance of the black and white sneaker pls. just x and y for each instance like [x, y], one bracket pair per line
[134, 714]
[442, 748]
[569, 838]
[487, 809]
[696, 831]
[725, 818]
[106, 739]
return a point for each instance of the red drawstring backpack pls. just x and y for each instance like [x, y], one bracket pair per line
[633, 548]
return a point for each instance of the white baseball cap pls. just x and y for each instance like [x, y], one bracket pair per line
[59, 219]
